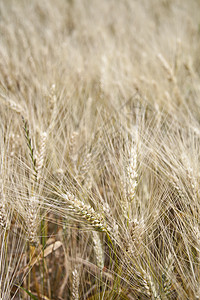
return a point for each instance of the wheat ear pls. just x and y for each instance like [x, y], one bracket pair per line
[75, 284]
[86, 212]
[98, 249]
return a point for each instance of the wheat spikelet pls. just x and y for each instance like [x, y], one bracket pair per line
[75, 285]
[53, 107]
[171, 76]
[104, 68]
[30, 146]
[13, 105]
[15, 142]
[41, 155]
[113, 226]
[72, 148]
[85, 211]
[98, 250]
[130, 182]
[134, 241]
[32, 220]
[167, 68]
[132, 173]
[88, 181]
[4, 218]
[84, 168]
[12, 246]
[167, 276]
[150, 286]
[60, 175]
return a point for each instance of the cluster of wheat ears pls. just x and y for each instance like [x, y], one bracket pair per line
[99, 149]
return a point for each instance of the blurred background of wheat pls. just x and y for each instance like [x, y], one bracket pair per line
[99, 149]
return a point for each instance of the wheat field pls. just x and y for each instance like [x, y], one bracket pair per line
[99, 149]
